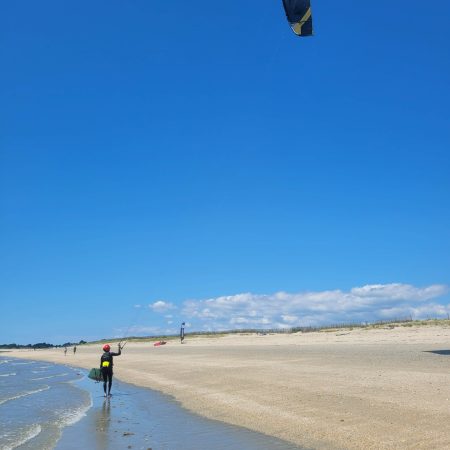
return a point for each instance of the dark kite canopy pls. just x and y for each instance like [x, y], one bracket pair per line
[298, 13]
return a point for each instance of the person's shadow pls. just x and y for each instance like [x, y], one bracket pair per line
[439, 352]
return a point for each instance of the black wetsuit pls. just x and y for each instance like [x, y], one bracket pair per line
[182, 333]
[106, 366]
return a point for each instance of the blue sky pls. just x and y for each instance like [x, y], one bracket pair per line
[196, 161]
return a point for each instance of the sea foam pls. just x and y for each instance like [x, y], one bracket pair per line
[24, 394]
[71, 417]
[26, 435]
[51, 376]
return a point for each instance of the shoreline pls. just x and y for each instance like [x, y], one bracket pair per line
[133, 417]
[141, 418]
[345, 389]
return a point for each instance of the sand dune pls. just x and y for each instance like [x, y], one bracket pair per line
[359, 389]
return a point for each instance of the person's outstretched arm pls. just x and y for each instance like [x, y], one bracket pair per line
[116, 354]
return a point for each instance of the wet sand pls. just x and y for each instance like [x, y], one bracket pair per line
[360, 389]
[142, 419]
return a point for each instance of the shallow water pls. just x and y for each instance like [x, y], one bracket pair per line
[37, 401]
[68, 412]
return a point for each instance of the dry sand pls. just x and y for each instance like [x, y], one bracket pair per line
[358, 389]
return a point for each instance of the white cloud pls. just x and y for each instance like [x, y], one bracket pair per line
[396, 291]
[138, 330]
[283, 309]
[161, 306]
[290, 319]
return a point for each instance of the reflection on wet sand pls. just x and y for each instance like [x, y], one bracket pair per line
[102, 424]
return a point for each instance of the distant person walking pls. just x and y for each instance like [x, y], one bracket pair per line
[182, 333]
[106, 366]
[74, 349]
[65, 351]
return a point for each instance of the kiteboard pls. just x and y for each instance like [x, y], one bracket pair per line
[157, 344]
[95, 374]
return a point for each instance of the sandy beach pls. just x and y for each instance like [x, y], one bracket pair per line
[385, 388]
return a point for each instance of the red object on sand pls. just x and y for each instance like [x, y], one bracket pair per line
[157, 344]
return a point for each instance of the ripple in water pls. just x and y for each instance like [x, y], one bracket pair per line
[24, 394]
[21, 436]
[34, 413]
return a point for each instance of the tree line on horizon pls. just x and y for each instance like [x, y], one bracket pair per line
[40, 345]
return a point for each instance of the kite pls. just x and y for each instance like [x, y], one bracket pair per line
[298, 13]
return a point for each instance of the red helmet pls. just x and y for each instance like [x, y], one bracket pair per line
[106, 348]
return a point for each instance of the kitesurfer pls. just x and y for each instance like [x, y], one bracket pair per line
[182, 333]
[106, 366]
